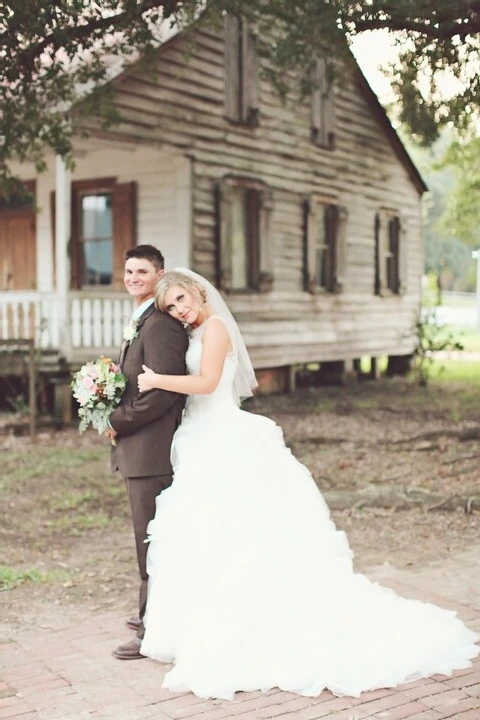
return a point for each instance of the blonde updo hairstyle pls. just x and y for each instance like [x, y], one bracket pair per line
[177, 279]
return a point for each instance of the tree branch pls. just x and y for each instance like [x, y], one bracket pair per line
[442, 32]
[60, 37]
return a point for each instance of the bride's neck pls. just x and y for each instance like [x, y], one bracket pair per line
[203, 315]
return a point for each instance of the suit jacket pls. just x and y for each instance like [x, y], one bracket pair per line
[145, 422]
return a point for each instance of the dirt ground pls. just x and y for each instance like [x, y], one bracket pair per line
[66, 530]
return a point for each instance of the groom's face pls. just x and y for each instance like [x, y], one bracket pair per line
[141, 278]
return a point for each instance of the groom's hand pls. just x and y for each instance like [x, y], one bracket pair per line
[146, 379]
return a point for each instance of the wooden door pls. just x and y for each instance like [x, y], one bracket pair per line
[18, 258]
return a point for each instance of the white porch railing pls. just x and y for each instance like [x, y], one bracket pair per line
[30, 315]
[95, 321]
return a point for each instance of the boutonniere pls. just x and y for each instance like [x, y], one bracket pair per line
[130, 331]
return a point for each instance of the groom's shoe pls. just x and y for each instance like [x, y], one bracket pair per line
[134, 623]
[130, 651]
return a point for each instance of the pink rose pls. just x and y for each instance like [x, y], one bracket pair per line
[89, 384]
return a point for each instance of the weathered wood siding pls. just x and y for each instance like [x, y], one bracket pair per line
[182, 104]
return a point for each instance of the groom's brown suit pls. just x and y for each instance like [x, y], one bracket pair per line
[146, 422]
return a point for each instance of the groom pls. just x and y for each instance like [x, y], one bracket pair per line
[144, 423]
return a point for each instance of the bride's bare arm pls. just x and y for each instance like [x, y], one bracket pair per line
[216, 344]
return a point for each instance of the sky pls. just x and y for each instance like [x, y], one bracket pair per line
[375, 48]
[371, 50]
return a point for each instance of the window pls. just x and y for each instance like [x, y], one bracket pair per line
[244, 243]
[96, 239]
[323, 108]
[390, 253]
[104, 220]
[325, 252]
[241, 81]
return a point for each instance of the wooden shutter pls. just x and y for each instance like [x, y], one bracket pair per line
[23, 251]
[381, 240]
[224, 232]
[266, 276]
[249, 79]
[75, 248]
[5, 271]
[316, 100]
[252, 236]
[241, 77]
[331, 231]
[392, 248]
[329, 109]
[18, 253]
[232, 68]
[310, 213]
[124, 227]
[322, 106]
[402, 255]
[376, 284]
[341, 249]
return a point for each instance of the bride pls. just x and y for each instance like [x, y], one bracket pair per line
[251, 586]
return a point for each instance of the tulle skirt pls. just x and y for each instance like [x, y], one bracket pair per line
[252, 587]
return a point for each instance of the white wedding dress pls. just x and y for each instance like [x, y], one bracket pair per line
[251, 585]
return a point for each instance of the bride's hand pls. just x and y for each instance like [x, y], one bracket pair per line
[146, 380]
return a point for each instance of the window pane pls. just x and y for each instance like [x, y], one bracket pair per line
[98, 262]
[97, 240]
[239, 240]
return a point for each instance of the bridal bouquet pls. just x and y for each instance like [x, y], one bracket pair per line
[97, 387]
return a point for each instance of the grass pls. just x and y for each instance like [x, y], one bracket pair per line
[445, 371]
[84, 497]
[12, 577]
[21, 466]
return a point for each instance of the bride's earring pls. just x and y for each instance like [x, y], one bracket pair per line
[201, 303]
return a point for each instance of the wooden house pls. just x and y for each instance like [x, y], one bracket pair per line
[306, 214]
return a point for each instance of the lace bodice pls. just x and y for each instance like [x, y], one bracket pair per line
[223, 395]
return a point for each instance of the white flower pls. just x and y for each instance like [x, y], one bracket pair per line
[130, 331]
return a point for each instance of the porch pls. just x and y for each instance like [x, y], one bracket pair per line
[62, 258]
[87, 324]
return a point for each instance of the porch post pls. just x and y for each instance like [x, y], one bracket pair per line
[62, 262]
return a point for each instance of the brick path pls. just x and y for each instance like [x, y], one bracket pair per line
[70, 673]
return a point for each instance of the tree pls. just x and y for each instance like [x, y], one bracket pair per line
[451, 213]
[55, 56]
[462, 212]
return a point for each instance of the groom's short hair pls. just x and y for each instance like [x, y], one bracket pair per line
[147, 252]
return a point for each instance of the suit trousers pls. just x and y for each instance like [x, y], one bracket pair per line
[142, 492]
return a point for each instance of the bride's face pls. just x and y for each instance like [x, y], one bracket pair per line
[182, 304]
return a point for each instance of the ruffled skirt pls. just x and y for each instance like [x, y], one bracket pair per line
[252, 586]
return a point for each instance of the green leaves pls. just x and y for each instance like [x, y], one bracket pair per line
[462, 216]
[54, 55]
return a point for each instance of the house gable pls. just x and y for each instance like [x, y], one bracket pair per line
[193, 68]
